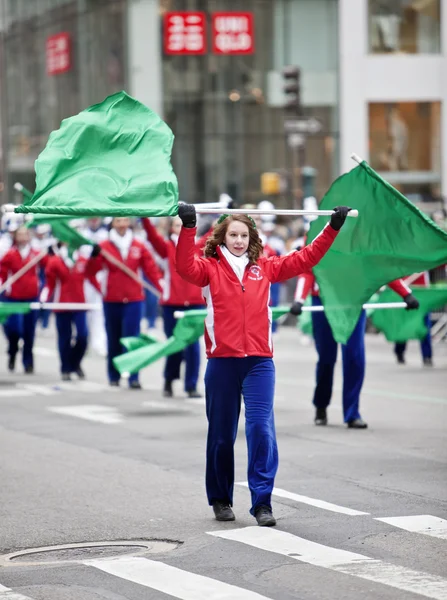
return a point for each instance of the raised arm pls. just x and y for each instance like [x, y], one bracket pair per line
[303, 286]
[158, 242]
[50, 281]
[150, 269]
[190, 266]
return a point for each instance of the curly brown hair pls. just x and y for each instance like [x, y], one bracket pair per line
[217, 238]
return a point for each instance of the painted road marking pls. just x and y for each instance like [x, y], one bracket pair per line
[172, 581]
[8, 594]
[42, 390]
[311, 501]
[91, 412]
[41, 351]
[425, 524]
[341, 561]
[15, 393]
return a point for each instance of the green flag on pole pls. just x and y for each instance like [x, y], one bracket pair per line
[391, 238]
[404, 325]
[112, 159]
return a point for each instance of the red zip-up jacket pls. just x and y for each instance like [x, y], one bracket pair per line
[307, 283]
[66, 283]
[176, 291]
[238, 323]
[27, 286]
[117, 286]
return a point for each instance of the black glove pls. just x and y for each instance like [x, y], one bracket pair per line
[187, 213]
[96, 251]
[296, 308]
[339, 216]
[411, 302]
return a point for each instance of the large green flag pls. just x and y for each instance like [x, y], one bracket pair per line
[404, 325]
[391, 238]
[112, 159]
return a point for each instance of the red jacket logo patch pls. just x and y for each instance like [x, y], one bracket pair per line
[255, 273]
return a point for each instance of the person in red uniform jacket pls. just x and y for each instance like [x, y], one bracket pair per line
[25, 289]
[123, 297]
[177, 295]
[65, 279]
[353, 353]
[422, 280]
[237, 279]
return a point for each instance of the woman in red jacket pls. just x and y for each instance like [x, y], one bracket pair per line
[236, 279]
[65, 279]
[123, 296]
[177, 295]
[25, 289]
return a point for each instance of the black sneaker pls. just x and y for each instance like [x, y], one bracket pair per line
[194, 394]
[29, 369]
[114, 383]
[264, 516]
[223, 511]
[80, 373]
[167, 390]
[134, 385]
[428, 362]
[320, 416]
[65, 377]
[357, 424]
[12, 363]
[400, 359]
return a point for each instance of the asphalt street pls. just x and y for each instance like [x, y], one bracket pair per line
[361, 514]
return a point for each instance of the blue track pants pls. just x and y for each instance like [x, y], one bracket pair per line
[121, 320]
[226, 379]
[71, 349]
[353, 354]
[191, 354]
[23, 327]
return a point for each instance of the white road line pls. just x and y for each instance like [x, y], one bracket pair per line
[425, 524]
[8, 594]
[342, 561]
[172, 581]
[166, 406]
[15, 393]
[43, 390]
[91, 412]
[312, 501]
[41, 351]
[82, 387]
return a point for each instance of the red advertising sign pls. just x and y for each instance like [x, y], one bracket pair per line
[233, 33]
[185, 33]
[58, 53]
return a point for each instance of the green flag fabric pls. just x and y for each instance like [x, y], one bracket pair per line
[63, 232]
[391, 238]
[403, 325]
[112, 159]
[141, 353]
[13, 308]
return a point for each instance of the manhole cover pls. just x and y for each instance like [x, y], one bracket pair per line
[86, 551]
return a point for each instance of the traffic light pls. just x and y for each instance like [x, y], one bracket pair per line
[292, 89]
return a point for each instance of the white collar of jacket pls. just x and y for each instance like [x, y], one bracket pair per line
[24, 252]
[237, 263]
[174, 238]
[122, 242]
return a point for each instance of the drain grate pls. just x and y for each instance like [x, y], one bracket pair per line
[86, 551]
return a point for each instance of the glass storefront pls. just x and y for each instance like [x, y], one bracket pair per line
[227, 112]
[404, 26]
[36, 95]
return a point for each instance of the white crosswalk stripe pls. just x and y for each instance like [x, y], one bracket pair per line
[90, 412]
[342, 561]
[172, 581]
[311, 501]
[425, 524]
[8, 594]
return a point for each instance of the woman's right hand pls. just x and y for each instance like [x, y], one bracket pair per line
[187, 213]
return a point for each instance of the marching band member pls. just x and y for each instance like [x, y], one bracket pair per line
[122, 295]
[237, 279]
[353, 353]
[65, 279]
[25, 289]
[177, 295]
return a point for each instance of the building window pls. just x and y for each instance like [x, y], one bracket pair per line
[404, 26]
[405, 146]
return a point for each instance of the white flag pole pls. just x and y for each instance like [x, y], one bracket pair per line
[64, 306]
[278, 211]
[179, 314]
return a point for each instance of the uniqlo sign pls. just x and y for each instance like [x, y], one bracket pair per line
[58, 53]
[233, 33]
[185, 33]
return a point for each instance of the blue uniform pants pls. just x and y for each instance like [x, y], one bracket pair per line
[150, 307]
[226, 379]
[23, 327]
[121, 320]
[353, 354]
[426, 348]
[71, 354]
[191, 354]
